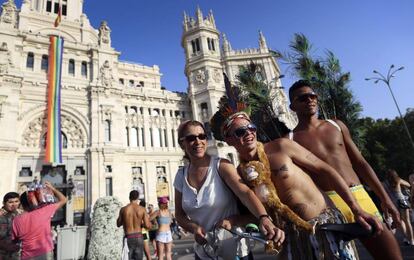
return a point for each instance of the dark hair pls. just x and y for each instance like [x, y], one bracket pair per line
[10, 195]
[133, 195]
[24, 201]
[142, 203]
[183, 128]
[297, 85]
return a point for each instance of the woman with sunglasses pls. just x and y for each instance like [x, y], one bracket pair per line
[204, 193]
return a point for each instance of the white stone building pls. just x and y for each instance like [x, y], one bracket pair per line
[118, 123]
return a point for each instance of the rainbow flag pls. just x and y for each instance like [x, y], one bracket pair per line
[54, 136]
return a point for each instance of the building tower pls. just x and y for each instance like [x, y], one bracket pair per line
[203, 67]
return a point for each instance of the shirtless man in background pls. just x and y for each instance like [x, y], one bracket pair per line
[331, 141]
[131, 217]
[295, 188]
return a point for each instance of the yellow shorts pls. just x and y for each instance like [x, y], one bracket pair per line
[363, 199]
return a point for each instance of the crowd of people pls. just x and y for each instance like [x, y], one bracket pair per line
[289, 187]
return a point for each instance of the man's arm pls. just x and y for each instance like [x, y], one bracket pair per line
[367, 174]
[319, 169]
[230, 176]
[61, 198]
[119, 221]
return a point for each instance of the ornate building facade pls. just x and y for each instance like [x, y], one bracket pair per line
[119, 126]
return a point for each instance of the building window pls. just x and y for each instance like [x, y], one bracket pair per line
[134, 137]
[107, 130]
[197, 42]
[84, 69]
[127, 135]
[165, 138]
[25, 172]
[208, 130]
[131, 83]
[126, 109]
[204, 110]
[121, 81]
[210, 44]
[151, 138]
[142, 141]
[193, 46]
[108, 182]
[71, 67]
[64, 7]
[141, 83]
[173, 137]
[160, 137]
[49, 6]
[141, 110]
[45, 63]
[108, 168]
[30, 61]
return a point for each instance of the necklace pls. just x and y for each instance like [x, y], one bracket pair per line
[257, 174]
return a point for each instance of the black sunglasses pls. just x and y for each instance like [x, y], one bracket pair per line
[242, 131]
[306, 96]
[192, 138]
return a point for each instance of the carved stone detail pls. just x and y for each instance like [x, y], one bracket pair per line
[104, 34]
[106, 112]
[217, 75]
[5, 59]
[9, 14]
[32, 136]
[200, 76]
[106, 74]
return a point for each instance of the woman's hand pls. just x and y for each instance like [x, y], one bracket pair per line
[271, 231]
[199, 235]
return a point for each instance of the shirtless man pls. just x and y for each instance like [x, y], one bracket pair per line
[295, 188]
[131, 217]
[331, 141]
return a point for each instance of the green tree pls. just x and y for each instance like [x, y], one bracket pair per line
[335, 98]
[387, 145]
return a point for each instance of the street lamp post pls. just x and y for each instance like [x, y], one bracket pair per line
[386, 80]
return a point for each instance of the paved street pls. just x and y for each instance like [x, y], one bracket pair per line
[183, 250]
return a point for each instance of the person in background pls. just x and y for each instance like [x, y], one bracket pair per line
[164, 236]
[9, 250]
[152, 232]
[131, 217]
[33, 228]
[395, 186]
[145, 235]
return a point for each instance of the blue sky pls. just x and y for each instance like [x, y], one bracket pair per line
[364, 35]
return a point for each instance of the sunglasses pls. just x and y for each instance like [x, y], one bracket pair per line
[306, 96]
[242, 131]
[192, 138]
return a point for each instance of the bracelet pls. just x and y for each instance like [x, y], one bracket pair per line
[265, 216]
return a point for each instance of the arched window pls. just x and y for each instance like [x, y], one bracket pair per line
[45, 63]
[71, 67]
[107, 130]
[30, 61]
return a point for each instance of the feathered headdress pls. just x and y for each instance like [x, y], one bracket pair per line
[230, 107]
